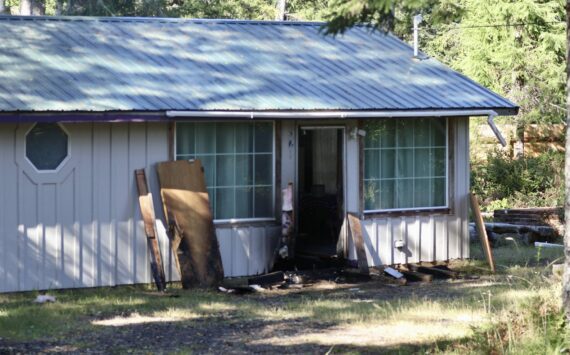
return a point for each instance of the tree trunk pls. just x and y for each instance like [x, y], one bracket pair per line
[281, 10]
[38, 8]
[566, 279]
[58, 7]
[518, 93]
[68, 7]
[518, 149]
[4, 10]
[25, 8]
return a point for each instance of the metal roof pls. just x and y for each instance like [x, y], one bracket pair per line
[152, 64]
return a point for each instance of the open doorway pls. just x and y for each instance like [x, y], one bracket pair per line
[320, 190]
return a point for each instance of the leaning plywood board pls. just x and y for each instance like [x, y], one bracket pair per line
[187, 207]
[147, 212]
[481, 230]
[356, 233]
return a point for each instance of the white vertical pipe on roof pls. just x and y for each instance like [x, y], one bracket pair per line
[417, 20]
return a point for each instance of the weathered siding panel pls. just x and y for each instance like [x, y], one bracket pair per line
[68, 248]
[102, 199]
[288, 154]
[9, 228]
[352, 178]
[413, 244]
[247, 250]
[156, 150]
[463, 183]
[427, 238]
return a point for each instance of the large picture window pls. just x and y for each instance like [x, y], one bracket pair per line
[405, 164]
[238, 165]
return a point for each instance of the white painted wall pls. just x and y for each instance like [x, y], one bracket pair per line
[81, 226]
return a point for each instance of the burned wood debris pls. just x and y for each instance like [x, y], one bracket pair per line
[197, 256]
[147, 212]
[396, 276]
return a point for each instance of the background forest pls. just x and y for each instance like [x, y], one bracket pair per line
[514, 47]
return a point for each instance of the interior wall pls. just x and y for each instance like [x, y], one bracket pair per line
[324, 154]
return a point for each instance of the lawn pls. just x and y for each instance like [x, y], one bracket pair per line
[515, 311]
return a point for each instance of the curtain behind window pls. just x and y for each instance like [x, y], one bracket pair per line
[238, 165]
[405, 164]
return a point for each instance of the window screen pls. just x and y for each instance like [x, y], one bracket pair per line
[405, 164]
[46, 146]
[238, 165]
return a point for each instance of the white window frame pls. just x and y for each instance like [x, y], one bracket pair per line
[431, 208]
[61, 164]
[273, 179]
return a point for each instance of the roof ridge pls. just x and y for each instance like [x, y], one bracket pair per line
[156, 19]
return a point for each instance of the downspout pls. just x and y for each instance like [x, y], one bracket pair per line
[498, 134]
[293, 115]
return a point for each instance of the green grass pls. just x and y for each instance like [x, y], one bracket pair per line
[518, 310]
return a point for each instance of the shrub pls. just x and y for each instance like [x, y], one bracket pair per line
[524, 182]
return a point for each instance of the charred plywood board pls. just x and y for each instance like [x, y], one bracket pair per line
[147, 212]
[187, 209]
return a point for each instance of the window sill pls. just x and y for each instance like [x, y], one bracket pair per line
[406, 213]
[253, 222]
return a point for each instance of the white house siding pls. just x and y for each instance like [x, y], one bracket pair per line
[247, 250]
[81, 226]
[427, 236]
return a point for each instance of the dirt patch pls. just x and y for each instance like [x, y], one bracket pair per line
[228, 330]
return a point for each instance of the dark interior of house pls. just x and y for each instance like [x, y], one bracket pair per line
[320, 199]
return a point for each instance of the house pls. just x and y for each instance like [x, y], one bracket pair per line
[355, 122]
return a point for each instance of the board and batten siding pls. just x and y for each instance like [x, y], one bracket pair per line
[431, 236]
[80, 226]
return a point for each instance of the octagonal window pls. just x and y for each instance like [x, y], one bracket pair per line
[46, 146]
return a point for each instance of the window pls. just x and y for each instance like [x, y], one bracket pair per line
[238, 165]
[46, 146]
[405, 164]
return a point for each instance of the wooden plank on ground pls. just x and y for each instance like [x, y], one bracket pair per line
[416, 276]
[187, 208]
[356, 232]
[274, 278]
[435, 272]
[481, 231]
[149, 219]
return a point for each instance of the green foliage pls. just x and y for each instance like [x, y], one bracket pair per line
[236, 9]
[302, 10]
[524, 61]
[376, 14]
[307, 10]
[504, 182]
[514, 47]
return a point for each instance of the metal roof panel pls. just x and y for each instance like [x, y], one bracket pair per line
[153, 64]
